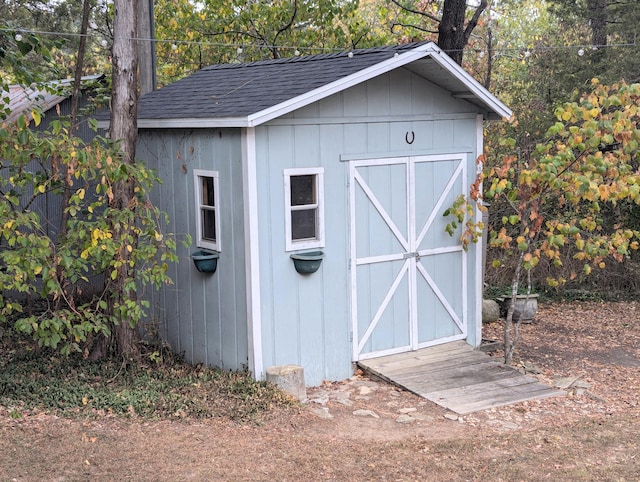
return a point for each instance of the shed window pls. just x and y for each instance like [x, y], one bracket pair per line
[304, 216]
[207, 205]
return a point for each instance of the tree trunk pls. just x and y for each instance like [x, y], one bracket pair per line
[66, 175]
[453, 35]
[597, 14]
[124, 128]
[487, 77]
[146, 47]
[451, 29]
[510, 339]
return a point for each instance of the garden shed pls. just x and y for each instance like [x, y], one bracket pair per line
[339, 162]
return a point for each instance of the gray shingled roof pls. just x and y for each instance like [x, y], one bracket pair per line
[238, 90]
[249, 94]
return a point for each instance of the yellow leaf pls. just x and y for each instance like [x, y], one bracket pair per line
[36, 117]
[41, 188]
[37, 270]
[603, 189]
[85, 400]
[129, 248]
[80, 193]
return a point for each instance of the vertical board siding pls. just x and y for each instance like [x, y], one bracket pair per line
[205, 314]
[306, 320]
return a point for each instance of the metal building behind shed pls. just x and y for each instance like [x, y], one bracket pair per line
[354, 155]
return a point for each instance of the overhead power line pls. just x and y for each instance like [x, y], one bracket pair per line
[526, 50]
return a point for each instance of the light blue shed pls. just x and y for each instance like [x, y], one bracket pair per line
[355, 155]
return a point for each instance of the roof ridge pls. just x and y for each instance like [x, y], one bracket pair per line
[317, 57]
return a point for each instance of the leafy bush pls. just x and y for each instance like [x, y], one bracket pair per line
[95, 238]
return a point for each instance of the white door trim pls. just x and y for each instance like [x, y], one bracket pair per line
[411, 266]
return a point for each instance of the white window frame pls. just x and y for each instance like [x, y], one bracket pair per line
[318, 241]
[198, 174]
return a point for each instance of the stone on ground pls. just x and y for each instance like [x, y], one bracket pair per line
[490, 311]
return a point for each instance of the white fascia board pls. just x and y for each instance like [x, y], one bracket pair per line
[341, 84]
[472, 84]
[186, 123]
[193, 122]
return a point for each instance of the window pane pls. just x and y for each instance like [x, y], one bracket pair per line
[209, 224]
[303, 190]
[303, 224]
[207, 191]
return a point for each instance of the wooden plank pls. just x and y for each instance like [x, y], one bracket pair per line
[424, 387]
[447, 350]
[435, 365]
[478, 370]
[459, 378]
[424, 360]
[478, 391]
[444, 348]
[504, 399]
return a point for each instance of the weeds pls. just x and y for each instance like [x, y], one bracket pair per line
[173, 389]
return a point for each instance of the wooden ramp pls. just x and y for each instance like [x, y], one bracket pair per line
[457, 377]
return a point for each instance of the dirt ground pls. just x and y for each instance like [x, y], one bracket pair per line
[362, 430]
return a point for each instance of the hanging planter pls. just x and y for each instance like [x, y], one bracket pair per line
[306, 263]
[205, 261]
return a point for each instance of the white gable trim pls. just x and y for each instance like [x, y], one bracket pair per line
[427, 50]
[340, 85]
[474, 86]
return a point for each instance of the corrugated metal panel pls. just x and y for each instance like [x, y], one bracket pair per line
[25, 99]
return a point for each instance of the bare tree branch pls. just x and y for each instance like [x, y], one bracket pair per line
[474, 20]
[417, 12]
[405, 25]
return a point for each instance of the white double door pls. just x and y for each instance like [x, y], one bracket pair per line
[408, 276]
